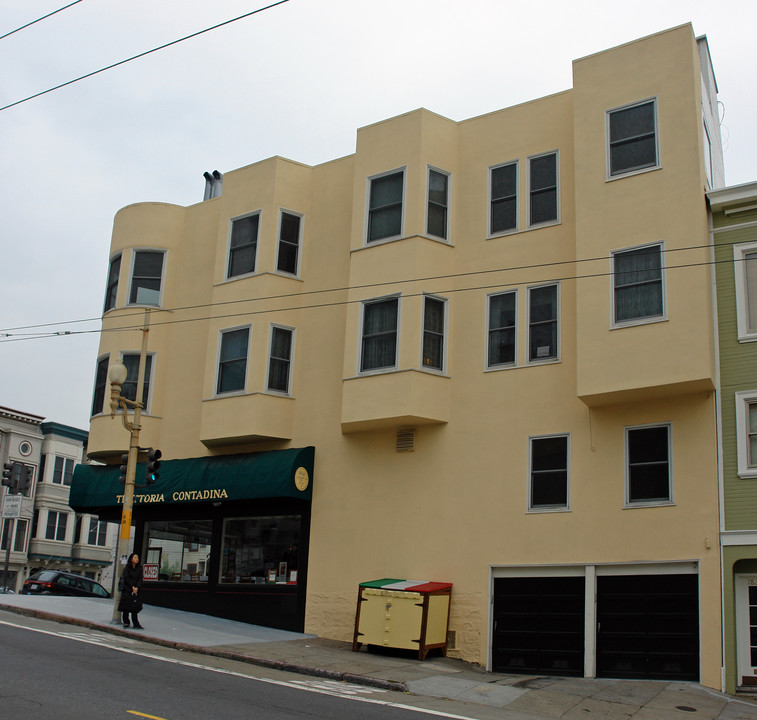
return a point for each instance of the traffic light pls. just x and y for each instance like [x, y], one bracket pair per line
[25, 474]
[9, 474]
[153, 465]
[124, 467]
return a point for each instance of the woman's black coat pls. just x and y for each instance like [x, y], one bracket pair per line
[132, 577]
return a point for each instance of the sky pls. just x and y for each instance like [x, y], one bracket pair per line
[295, 80]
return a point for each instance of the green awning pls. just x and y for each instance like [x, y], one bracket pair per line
[272, 474]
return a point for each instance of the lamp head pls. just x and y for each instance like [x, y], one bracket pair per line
[117, 375]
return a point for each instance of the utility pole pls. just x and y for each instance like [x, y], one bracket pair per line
[117, 376]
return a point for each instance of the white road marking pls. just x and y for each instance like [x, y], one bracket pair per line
[337, 686]
[297, 685]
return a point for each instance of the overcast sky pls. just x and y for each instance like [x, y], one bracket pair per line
[296, 80]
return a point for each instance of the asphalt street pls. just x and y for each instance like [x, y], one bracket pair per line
[57, 673]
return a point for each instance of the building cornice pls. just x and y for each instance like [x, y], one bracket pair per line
[21, 416]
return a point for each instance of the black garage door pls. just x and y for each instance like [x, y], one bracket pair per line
[539, 625]
[648, 627]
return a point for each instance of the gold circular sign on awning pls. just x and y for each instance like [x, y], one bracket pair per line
[301, 479]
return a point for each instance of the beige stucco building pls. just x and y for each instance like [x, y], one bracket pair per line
[476, 352]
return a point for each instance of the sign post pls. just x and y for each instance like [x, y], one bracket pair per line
[11, 509]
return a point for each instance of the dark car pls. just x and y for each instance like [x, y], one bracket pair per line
[58, 582]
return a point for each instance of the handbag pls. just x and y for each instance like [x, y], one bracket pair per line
[133, 603]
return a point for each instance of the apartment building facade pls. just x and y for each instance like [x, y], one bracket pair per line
[476, 352]
[48, 534]
[734, 233]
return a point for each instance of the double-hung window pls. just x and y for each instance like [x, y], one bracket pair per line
[632, 138]
[745, 276]
[542, 189]
[637, 284]
[548, 472]
[648, 465]
[746, 433]
[280, 359]
[17, 529]
[111, 291]
[129, 388]
[385, 205]
[501, 342]
[146, 277]
[543, 323]
[56, 525]
[437, 211]
[98, 531]
[433, 333]
[379, 335]
[232, 360]
[101, 385]
[243, 245]
[63, 471]
[503, 198]
[289, 243]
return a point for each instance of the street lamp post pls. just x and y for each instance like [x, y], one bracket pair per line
[117, 375]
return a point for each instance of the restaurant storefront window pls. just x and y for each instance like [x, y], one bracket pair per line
[260, 549]
[180, 549]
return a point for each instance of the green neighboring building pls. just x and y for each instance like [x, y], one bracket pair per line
[734, 233]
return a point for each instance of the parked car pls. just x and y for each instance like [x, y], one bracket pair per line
[59, 582]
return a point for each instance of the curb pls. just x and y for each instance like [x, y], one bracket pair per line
[283, 665]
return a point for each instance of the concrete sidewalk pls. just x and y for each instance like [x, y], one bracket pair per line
[440, 677]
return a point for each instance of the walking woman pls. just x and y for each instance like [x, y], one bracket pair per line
[131, 582]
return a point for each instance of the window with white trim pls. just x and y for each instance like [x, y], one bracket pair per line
[17, 529]
[56, 525]
[288, 259]
[746, 433]
[434, 321]
[243, 245]
[63, 471]
[648, 465]
[745, 278]
[280, 359]
[548, 472]
[501, 338]
[111, 289]
[98, 532]
[638, 292]
[379, 334]
[542, 189]
[146, 277]
[234, 347]
[437, 211]
[131, 362]
[386, 194]
[632, 138]
[503, 198]
[543, 323]
[101, 386]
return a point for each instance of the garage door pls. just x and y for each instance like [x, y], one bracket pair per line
[539, 625]
[648, 627]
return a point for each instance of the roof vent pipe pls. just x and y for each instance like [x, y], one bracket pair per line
[217, 184]
[208, 186]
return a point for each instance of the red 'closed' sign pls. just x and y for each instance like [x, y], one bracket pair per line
[150, 572]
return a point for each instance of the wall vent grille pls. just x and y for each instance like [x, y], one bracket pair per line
[406, 440]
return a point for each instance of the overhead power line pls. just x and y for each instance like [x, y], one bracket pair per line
[16, 337]
[142, 54]
[345, 288]
[39, 19]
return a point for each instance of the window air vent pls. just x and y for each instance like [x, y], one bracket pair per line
[406, 440]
